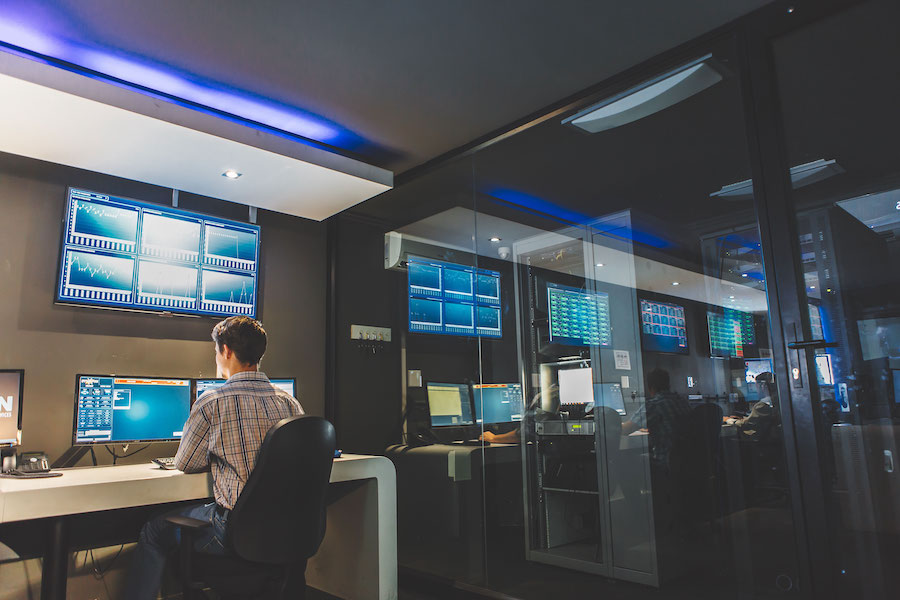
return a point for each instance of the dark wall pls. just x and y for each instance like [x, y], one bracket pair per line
[368, 387]
[53, 342]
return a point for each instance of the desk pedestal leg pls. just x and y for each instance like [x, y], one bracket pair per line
[56, 563]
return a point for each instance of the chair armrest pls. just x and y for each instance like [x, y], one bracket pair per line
[188, 523]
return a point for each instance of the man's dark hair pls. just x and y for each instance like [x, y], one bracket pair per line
[245, 336]
[658, 380]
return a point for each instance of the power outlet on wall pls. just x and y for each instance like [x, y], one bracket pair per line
[370, 333]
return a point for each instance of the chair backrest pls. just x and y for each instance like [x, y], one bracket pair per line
[279, 517]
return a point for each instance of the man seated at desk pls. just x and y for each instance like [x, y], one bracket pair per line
[757, 425]
[223, 434]
[658, 415]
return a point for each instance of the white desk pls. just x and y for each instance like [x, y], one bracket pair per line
[357, 559]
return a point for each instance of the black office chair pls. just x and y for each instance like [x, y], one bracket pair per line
[277, 523]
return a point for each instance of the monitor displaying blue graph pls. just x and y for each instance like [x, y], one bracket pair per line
[114, 409]
[121, 253]
[92, 276]
[578, 317]
[453, 299]
[487, 289]
[229, 292]
[487, 321]
[663, 327]
[228, 246]
[101, 222]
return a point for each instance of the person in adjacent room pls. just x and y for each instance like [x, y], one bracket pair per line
[223, 434]
[757, 425]
[659, 416]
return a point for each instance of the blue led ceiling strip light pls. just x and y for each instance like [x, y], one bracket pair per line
[548, 210]
[327, 130]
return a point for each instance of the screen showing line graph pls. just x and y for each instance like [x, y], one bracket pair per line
[227, 291]
[230, 247]
[121, 253]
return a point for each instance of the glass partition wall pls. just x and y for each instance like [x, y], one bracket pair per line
[651, 449]
[584, 377]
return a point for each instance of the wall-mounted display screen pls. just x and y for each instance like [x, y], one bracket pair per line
[120, 253]
[663, 327]
[453, 299]
[731, 333]
[111, 409]
[577, 317]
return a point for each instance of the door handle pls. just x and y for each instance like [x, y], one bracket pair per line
[809, 344]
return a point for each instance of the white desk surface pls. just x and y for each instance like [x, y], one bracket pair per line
[124, 486]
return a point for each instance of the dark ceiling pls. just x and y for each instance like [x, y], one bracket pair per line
[411, 79]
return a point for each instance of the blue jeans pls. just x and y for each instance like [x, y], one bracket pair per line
[160, 538]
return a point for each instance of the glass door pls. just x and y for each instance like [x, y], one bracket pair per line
[841, 127]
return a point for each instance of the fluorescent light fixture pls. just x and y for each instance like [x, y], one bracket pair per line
[648, 97]
[801, 175]
[231, 174]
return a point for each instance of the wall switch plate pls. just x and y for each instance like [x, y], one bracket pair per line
[370, 333]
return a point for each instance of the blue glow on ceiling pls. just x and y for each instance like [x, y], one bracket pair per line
[547, 209]
[179, 88]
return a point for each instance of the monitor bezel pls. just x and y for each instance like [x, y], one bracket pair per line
[78, 377]
[194, 381]
[58, 300]
[21, 402]
[468, 386]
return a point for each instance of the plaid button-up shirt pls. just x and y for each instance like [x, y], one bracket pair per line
[226, 427]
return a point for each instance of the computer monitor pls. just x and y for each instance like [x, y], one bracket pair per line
[112, 409]
[578, 317]
[449, 404]
[498, 403]
[201, 386]
[12, 384]
[732, 333]
[576, 386]
[610, 395]
[663, 327]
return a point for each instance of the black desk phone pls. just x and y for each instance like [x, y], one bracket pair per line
[33, 462]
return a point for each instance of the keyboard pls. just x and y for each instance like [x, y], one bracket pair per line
[16, 474]
[166, 462]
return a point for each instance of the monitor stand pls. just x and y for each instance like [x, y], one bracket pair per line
[71, 457]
